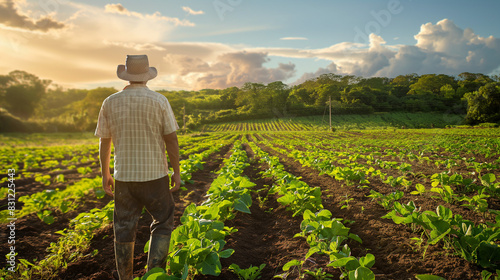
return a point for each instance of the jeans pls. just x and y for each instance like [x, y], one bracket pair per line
[131, 197]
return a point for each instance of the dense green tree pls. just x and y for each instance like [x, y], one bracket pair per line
[330, 78]
[57, 101]
[250, 98]
[405, 80]
[381, 83]
[300, 95]
[228, 98]
[22, 92]
[325, 91]
[432, 83]
[448, 92]
[363, 94]
[470, 82]
[25, 95]
[483, 105]
[277, 95]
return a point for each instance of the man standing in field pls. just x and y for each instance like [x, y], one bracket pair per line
[141, 125]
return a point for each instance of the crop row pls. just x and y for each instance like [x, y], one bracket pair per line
[274, 125]
[71, 246]
[44, 203]
[324, 234]
[197, 245]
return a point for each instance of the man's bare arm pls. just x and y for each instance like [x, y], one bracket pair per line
[108, 183]
[172, 146]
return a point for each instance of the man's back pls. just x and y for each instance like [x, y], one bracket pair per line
[136, 119]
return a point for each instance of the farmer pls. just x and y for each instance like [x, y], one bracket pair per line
[141, 125]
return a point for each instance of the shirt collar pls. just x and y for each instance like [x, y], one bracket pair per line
[135, 86]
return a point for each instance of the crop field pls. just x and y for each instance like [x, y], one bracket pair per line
[359, 204]
[341, 122]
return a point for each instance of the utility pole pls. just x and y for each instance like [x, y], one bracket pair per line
[330, 102]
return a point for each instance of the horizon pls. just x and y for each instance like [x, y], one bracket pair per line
[220, 44]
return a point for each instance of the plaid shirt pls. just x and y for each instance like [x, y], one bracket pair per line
[136, 119]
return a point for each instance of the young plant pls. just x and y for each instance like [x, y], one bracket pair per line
[356, 269]
[446, 193]
[345, 203]
[419, 189]
[251, 273]
[388, 200]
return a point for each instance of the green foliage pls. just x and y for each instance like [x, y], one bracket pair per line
[251, 273]
[356, 269]
[21, 92]
[388, 200]
[483, 104]
[72, 244]
[477, 244]
[45, 202]
[198, 243]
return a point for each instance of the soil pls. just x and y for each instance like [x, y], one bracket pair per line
[267, 235]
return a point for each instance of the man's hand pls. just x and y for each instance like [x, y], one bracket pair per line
[108, 184]
[175, 182]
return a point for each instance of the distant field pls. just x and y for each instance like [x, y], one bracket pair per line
[342, 122]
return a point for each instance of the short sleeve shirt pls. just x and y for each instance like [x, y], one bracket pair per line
[136, 119]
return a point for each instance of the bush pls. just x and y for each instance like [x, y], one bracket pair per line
[9, 123]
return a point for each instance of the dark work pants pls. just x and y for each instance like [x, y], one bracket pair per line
[131, 197]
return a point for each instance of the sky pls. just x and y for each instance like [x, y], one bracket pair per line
[197, 44]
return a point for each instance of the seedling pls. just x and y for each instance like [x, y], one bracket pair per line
[251, 273]
[345, 203]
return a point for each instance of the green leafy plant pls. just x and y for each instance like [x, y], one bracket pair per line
[477, 203]
[446, 193]
[476, 244]
[489, 181]
[419, 189]
[345, 203]
[356, 269]
[251, 273]
[84, 170]
[388, 200]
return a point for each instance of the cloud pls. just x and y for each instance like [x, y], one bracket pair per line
[293, 38]
[192, 12]
[230, 69]
[446, 48]
[93, 43]
[11, 17]
[441, 48]
[331, 68]
[120, 9]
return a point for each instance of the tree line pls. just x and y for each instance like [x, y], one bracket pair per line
[49, 107]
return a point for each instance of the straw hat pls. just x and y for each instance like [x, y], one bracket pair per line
[136, 69]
